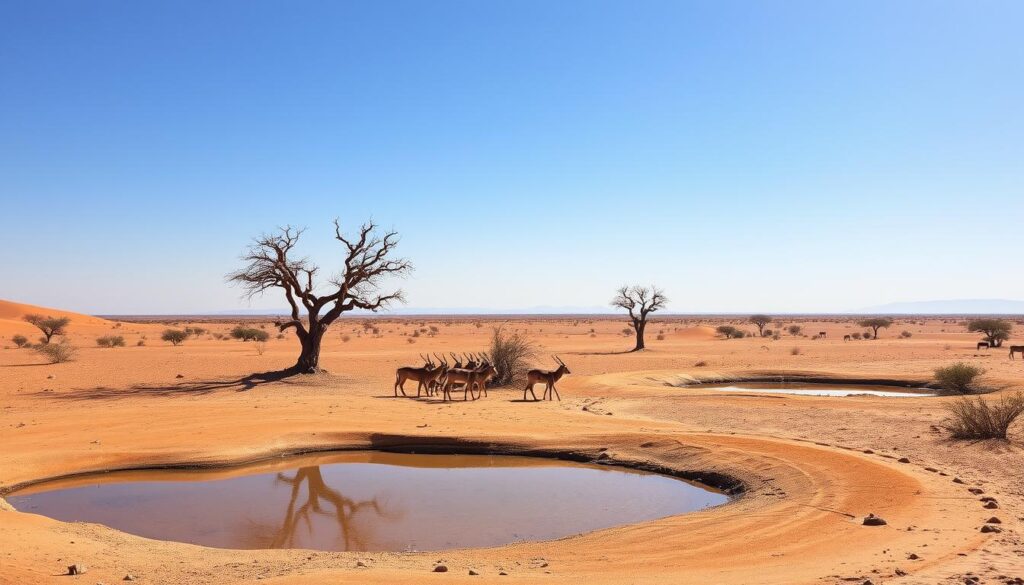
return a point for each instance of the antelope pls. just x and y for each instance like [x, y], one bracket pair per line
[822, 334]
[479, 379]
[457, 362]
[422, 375]
[847, 338]
[548, 377]
[984, 345]
[1016, 349]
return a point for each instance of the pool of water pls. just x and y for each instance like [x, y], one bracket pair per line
[825, 390]
[370, 501]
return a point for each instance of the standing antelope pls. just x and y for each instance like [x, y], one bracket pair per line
[423, 376]
[1016, 349]
[983, 345]
[548, 377]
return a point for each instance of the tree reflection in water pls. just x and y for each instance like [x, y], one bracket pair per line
[320, 500]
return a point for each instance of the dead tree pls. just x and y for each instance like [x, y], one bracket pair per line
[271, 263]
[640, 301]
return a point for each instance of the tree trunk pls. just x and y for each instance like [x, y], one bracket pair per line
[309, 358]
[639, 335]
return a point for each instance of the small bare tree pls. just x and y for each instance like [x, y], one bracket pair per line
[640, 301]
[50, 326]
[271, 263]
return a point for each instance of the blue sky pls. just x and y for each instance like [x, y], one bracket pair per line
[776, 156]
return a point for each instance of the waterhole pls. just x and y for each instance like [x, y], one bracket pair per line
[826, 390]
[370, 501]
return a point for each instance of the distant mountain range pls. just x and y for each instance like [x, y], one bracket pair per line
[950, 307]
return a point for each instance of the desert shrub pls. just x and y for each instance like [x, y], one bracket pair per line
[905, 334]
[141, 342]
[346, 338]
[110, 341]
[410, 340]
[794, 351]
[174, 336]
[261, 346]
[627, 331]
[958, 378]
[866, 335]
[794, 329]
[727, 331]
[50, 326]
[433, 330]
[195, 331]
[855, 335]
[661, 337]
[20, 340]
[984, 419]
[510, 353]
[768, 333]
[249, 333]
[57, 353]
[279, 336]
[776, 336]
[416, 333]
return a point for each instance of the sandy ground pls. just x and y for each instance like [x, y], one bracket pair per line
[812, 467]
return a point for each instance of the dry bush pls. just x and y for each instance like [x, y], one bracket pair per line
[906, 334]
[20, 340]
[346, 338]
[261, 346]
[984, 419]
[661, 337]
[794, 351]
[958, 378]
[510, 353]
[110, 341]
[410, 340]
[57, 353]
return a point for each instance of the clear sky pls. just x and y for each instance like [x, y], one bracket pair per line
[771, 156]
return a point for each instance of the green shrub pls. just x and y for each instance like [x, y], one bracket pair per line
[195, 331]
[958, 378]
[984, 419]
[728, 331]
[249, 333]
[174, 336]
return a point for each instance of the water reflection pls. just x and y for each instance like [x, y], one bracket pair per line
[378, 501]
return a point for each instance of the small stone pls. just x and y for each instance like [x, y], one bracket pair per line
[913, 556]
[502, 573]
[990, 528]
[77, 569]
[976, 491]
[903, 460]
[991, 505]
[128, 577]
[872, 520]
[900, 572]
[472, 572]
[867, 582]
[179, 376]
[360, 564]
[440, 569]
[957, 480]
[50, 377]
[868, 452]
[994, 520]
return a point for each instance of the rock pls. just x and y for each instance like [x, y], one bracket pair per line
[913, 556]
[976, 491]
[900, 572]
[994, 520]
[991, 505]
[77, 569]
[872, 520]
[128, 577]
[472, 572]
[50, 377]
[990, 528]
[440, 569]
[360, 564]
[179, 376]
[903, 460]
[502, 573]
[868, 452]
[867, 582]
[957, 480]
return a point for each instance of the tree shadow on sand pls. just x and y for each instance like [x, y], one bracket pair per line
[200, 388]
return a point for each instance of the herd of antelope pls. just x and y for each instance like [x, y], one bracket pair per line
[471, 372]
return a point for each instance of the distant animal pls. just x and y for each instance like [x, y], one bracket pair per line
[847, 338]
[822, 334]
[548, 377]
[983, 345]
[1016, 349]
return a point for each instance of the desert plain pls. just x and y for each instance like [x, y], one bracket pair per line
[805, 469]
